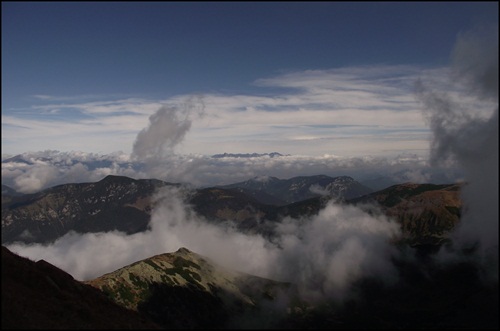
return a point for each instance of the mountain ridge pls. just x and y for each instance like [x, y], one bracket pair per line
[125, 204]
[301, 188]
[213, 296]
[247, 155]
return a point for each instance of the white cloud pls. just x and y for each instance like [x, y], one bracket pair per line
[469, 135]
[327, 253]
[347, 111]
[322, 255]
[49, 168]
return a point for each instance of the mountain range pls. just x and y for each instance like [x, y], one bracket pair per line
[114, 203]
[285, 191]
[125, 204]
[185, 289]
[246, 155]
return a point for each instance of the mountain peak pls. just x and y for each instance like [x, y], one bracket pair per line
[183, 250]
[115, 178]
[263, 179]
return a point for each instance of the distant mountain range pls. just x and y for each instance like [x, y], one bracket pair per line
[272, 190]
[114, 203]
[427, 212]
[246, 155]
[67, 165]
[9, 191]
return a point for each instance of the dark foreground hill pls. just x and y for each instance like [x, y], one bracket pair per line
[38, 295]
[184, 290]
[427, 297]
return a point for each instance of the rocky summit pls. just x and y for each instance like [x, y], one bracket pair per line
[187, 290]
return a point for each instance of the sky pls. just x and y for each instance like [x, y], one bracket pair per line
[298, 78]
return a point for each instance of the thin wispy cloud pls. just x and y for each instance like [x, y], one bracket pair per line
[327, 136]
[323, 113]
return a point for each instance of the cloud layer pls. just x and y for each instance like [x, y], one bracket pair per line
[323, 255]
[352, 111]
[32, 172]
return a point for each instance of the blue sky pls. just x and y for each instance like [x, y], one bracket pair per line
[307, 78]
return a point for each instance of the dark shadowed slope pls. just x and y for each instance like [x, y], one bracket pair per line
[38, 295]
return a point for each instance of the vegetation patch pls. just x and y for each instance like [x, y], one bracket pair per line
[181, 262]
[154, 265]
[138, 282]
[192, 276]
[165, 279]
[183, 267]
[108, 291]
[142, 286]
[125, 293]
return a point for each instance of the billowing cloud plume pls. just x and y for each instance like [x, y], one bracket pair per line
[470, 136]
[475, 60]
[167, 128]
[324, 255]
